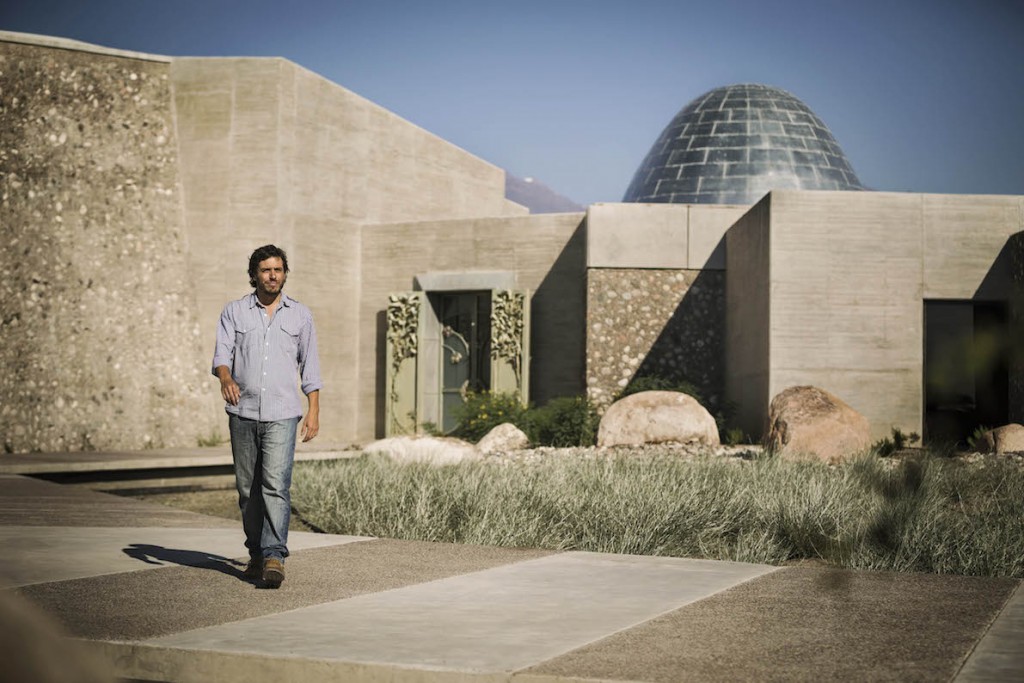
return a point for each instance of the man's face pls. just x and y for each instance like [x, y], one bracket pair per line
[270, 276]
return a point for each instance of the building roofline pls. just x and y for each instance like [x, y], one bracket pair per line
[77, 46]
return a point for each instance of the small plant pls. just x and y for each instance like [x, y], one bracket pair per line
[889, 445]
[212, 439]
[484, 411]
[976, 441]
[653, 383]
[564, 422]
[431, 429]
[734, 436]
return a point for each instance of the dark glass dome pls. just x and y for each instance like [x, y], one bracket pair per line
[733, 145]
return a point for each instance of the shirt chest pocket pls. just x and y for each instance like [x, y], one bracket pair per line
[290, 337]
[246, 338]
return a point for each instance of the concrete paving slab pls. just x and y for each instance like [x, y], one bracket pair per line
[44, 554]
[140, 605]
[100, 461]
[801, 624]
[25, 501]
[999, 656]
[498, 620]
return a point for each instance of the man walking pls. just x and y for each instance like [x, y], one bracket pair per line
[266, 343]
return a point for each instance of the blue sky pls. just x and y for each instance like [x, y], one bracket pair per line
[923, 95]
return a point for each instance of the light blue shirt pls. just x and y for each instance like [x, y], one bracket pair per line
[268, 356]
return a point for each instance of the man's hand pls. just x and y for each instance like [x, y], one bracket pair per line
[311, 425]
[228, 387]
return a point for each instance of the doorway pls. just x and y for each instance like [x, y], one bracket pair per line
[465, 319]
[966, 369]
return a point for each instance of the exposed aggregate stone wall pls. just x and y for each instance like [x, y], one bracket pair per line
[101, 345]
[668, 324]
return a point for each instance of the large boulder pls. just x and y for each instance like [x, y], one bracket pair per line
[657, 417]
[503, 438]
[435, 450]
[808, 421]
[1006, 439]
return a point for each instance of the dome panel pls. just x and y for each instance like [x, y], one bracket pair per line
[732, 145]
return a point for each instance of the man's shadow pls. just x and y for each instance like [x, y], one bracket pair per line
[155, 554]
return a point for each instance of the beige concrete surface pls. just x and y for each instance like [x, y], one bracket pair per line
[670, 236]
[846, 275]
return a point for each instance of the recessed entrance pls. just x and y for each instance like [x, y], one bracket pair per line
[966, 368]
[465, 319]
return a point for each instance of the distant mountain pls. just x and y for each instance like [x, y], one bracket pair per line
[537, 197]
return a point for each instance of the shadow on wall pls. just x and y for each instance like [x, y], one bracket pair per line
[557, 331]
[559, 324]
[380, 386]
[691, 346]
[1001, 352]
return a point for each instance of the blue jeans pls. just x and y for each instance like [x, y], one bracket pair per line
[263, 453]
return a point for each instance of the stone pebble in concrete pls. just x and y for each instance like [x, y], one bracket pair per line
[502, 619]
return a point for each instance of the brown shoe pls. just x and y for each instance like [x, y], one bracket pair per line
[273, 572]
[254, 570]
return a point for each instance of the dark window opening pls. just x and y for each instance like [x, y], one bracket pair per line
[966, 369]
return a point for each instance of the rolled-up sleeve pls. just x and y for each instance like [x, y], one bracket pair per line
[309, 358]
[224, 348]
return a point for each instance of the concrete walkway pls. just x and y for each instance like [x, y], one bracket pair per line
[158, 595]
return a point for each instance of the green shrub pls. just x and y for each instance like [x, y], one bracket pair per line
[976, 441]
[564, 422]
[482, 412]
[733, 436]
[887, 446]
[653, 383]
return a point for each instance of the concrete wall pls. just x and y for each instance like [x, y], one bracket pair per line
[846, 301]
[667, 323]
[139, 185]
[547, 254]
[655, 296]
[274, 153]
[658, 235]
[748, 317]
[847, 279]
[97, 313]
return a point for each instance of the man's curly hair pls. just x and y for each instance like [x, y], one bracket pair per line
[262, 254]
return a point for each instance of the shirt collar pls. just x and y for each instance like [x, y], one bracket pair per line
[285, 300]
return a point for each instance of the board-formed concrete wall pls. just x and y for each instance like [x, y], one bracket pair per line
[747, 317]
[139, 185]
[546, 253]
[97, 313]
[272, 152]
[846, 277]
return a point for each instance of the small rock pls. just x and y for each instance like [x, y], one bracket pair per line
[808, 421]
[650, 417]
[1006, 439]
[434, 450]
[503, 438]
